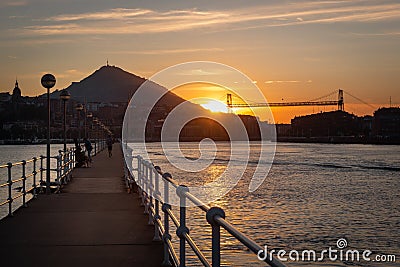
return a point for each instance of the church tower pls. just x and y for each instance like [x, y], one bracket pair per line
[16, 94]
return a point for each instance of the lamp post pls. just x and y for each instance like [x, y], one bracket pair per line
[84, 120]
[95, 121]
[79, 108]
[48, 81]
[65, 96]
[89, 116]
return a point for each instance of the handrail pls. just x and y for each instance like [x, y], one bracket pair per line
[65, 163]
[147, 182]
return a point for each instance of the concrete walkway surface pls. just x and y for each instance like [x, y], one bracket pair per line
[92, 222]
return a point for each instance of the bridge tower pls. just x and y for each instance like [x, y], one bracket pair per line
[229, 102]
[340, 100]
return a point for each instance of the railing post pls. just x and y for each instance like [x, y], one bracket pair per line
[24, 183]
[146, 187]
[138, 174]
[41, 172]
[141, 181]
[216, 236]
[166, 236]
[73, 158]
[157, 196]
[58, 171]
[66, 165]
[139, 177]
[9, 181]
[150, 194]
[182, 229]
[34, 173]
[60, 168]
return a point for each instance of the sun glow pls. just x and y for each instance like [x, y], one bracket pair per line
[215, 106]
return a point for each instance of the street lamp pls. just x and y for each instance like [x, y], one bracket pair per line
[79, 108]
[48, 81]
[65, 96]
[89, 116]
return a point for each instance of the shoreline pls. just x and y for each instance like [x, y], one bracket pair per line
[340, 140]
[281, 139]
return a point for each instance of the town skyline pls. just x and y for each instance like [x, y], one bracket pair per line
[212, 97]
[293, 51]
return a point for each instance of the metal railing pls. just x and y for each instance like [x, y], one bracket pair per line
[148, 182]
[99, 145]
[34, 171]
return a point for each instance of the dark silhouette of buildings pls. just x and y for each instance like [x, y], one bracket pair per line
[106, 93]
[342, 127]
[386, 123]
[334, 123]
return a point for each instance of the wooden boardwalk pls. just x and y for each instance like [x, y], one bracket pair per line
[93, 222]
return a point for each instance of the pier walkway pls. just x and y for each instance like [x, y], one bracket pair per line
[93, 222]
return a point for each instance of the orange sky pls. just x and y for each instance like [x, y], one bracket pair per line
[292, 50]
[202, 93]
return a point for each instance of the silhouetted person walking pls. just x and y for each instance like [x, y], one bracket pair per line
[109, 142]
[88, 147]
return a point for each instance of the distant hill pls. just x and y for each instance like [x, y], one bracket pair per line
[111, 84]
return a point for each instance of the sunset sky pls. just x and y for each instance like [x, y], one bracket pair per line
[292, 50]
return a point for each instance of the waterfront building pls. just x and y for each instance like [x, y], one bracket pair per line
[386, 122]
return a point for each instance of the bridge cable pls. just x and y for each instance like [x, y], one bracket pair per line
[362, 101]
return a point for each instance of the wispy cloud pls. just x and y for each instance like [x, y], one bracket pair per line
[113, 14]
[168, 51]
[286, 81]
[139, 21]
[278, 81]
[13, 3]
[377, 34]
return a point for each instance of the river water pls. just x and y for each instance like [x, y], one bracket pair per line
[313, 195]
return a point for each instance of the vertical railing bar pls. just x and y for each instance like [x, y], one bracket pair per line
[141, 182]
[58, 170]
[66, 164]
[41, 172]
[157, 204]
[150, 195]
[146, 187]
[139, 175]
[9, 181]
[24, 183]
[216, 234]
[166, 235]
[182, 229]
[34, 172]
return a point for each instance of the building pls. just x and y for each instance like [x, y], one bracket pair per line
[334, 123]
[386, 122]
[16, 96]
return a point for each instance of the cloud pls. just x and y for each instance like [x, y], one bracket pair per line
[168, 51]
[146, 21]
[13, 3]
[377, 34]
[294, 81]
[113, 14]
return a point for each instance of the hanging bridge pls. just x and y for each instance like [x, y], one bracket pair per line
[316, 102]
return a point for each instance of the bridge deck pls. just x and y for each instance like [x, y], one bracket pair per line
[93, 222]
